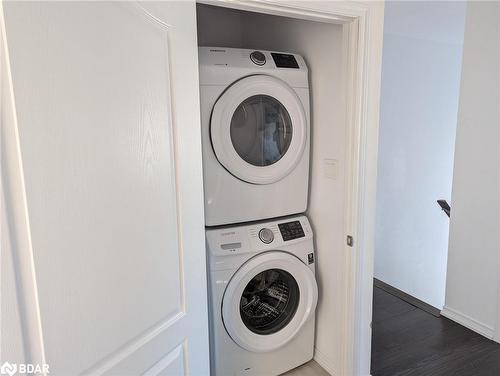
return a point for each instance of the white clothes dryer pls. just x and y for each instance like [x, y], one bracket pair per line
[263, 297]
[255, 132]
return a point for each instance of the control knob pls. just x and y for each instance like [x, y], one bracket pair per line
[258, 58]
[266, 235]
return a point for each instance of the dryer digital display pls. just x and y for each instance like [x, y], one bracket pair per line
[285, 60]
[291, 230]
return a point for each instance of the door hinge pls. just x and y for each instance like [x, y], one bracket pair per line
[350, 241]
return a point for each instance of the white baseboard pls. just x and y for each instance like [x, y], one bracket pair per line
[496, 337]
[468, 322]
[324, 361]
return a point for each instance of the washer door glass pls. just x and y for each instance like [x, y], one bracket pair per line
[261, 130]
[269, 301]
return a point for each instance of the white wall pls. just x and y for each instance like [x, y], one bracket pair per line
[474, 254]
[320, 45]
[219, 27]
[419, 104]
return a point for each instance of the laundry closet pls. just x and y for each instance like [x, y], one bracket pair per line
[108, 233]
[286, 41]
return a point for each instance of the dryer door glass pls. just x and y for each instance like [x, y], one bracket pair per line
[261, 130]
[269, 301]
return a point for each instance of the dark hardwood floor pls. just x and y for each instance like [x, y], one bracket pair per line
[410, 342]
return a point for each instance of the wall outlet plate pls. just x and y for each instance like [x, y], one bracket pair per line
[331, 168]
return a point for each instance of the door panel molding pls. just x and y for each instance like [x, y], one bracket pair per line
[15, 212]
[118, 361]
[171, 364]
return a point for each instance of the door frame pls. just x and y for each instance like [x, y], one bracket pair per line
[362, 42]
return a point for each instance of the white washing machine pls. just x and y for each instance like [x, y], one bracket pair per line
[263, 297]
[255, 132]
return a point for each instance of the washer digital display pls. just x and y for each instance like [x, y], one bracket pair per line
[291, 230]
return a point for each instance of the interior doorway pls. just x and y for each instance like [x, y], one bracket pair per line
[421, 81]
[421, 67]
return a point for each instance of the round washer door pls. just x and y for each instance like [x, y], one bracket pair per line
[259, 129]
[268, 300]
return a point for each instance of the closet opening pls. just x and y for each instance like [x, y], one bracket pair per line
[287, 44]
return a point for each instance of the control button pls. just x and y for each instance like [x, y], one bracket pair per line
[291, 230]
[266, 235]
[258, 58]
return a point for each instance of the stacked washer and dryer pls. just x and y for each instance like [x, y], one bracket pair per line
[262, 288]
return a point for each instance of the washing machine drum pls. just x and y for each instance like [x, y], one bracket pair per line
[268, 300]
[258, 129]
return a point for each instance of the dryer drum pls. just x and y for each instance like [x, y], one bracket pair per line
[261, 130]
[269, 301]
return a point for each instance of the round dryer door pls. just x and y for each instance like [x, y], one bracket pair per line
[259, 129]
[268, 301]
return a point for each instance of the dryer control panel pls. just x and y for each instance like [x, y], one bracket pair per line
[284, 60]
[224, 66]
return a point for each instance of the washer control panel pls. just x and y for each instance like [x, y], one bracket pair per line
[291, 230]
[266, 235]
[256, 237]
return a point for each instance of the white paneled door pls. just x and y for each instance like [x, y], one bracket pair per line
[103, 257]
